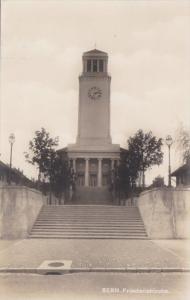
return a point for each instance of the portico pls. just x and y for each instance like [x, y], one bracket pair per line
[93, 171]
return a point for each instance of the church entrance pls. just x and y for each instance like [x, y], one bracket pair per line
[93, 173]
[80, 169]
[106, 172]
[105, 180]
[80, 180]
[93, 180]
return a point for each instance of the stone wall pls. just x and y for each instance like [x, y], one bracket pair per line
[19, 207]
[166, 212]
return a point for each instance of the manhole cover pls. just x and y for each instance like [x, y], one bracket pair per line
[55, 267]
[56, 264]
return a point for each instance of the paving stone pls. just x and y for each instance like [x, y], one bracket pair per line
[91, 253]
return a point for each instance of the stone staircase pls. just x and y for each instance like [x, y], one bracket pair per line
[89, 222]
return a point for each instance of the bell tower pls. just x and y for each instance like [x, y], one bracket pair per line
[93, 156]
[94, 100]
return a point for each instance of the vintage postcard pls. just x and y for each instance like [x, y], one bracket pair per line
[95, 149]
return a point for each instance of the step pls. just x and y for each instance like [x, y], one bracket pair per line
[42, 236]
[123, 216]
[90, 211]
[88, 237]
[89, 217]
[84, 231]
[114, 232]
[91, 207]
[89, 221]
[90, 224]
[82, 207]
[90, 234]
[89, 214]
[75, 217]
[92, 230]
[87, 226]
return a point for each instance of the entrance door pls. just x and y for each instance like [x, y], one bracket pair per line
[93, 170]
[106, 169]
[80, 180]
[105, 180]
[80, 171]
[93, 180]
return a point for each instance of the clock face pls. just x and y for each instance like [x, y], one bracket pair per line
[94, 93]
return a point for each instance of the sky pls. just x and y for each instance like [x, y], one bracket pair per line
[42, 42]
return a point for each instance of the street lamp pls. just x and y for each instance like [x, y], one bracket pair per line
[169, 142]
[11, 141]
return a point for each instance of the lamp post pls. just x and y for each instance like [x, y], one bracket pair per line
[169, 142]
[11, 141]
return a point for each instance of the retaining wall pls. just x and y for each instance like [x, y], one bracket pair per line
[166, 212]
[19, 207]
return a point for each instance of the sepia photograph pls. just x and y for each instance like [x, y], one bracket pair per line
[95, 149]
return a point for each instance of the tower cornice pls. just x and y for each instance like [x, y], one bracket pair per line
[95, 52]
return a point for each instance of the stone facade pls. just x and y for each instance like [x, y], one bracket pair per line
[20, 206]
[166, 212]
[93, 156]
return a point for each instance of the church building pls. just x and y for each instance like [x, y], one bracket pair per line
[93, 156]
[91, 210]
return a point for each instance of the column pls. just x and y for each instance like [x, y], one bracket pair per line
[87, 172]
[70, 163]
[112, 163]
[99, 172]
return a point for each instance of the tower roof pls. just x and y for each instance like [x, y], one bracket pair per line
[95, 52]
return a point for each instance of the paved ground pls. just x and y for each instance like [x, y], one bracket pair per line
[95, 286]
[4, 244]
[30, 253]
[180, 248]
[93, 254]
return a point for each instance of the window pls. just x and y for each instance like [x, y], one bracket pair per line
[101, 65]
[88, 65]
[95, 65]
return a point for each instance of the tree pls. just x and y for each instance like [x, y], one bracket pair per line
[125, 179]
[183, 143]
[60, 174]
[52, 164]
[144, 151]
[41, 151]
[130, 164]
